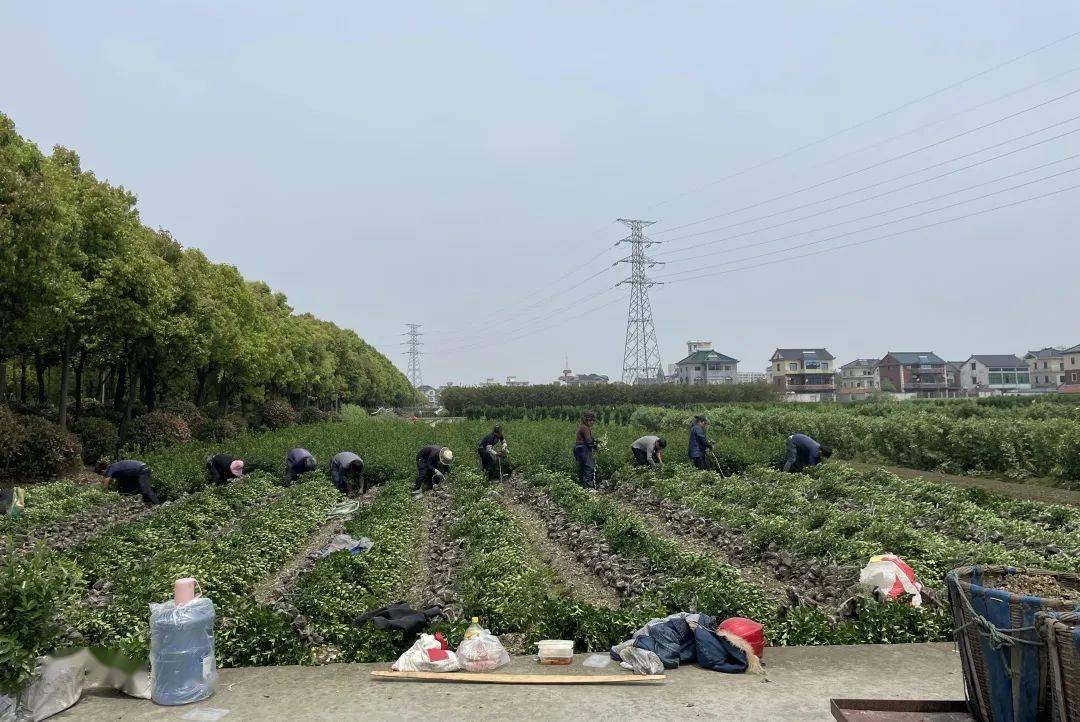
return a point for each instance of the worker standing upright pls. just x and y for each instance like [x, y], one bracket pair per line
[432, 465]
[803, 451]
[648, 450]
[584, 447]
[490, 449]
[347, 472]
[699, 443]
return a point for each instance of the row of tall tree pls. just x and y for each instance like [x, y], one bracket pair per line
[99, 304]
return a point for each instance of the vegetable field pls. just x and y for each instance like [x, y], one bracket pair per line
[534, 557]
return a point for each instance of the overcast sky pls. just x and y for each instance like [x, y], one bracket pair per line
[452, 163]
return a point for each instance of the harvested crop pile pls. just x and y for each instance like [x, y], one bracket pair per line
[1041, 585]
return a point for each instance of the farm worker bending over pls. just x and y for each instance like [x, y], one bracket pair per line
[802, 451]
[699, 444]
[297, 462]
[347, 472]
[132, 477]
[432, 463]
[492, 448]
[647, 450]
[224, 468]
[584, 446]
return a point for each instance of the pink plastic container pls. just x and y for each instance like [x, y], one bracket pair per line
[184, 590]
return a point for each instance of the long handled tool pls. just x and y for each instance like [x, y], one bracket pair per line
[717, 462]
[497, 678]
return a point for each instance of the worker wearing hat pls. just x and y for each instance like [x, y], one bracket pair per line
[492, 448]
[224, 468]
[432, 464]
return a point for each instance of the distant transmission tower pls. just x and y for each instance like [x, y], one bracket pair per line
[641, 355]
[412, 345]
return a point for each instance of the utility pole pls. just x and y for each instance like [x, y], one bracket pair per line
[641, 355]
[412, 348]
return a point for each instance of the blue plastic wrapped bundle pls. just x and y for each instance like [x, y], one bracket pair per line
[182, 666]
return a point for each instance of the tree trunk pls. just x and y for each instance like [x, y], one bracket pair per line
[202, 377]
[223, 393]
[3, 380]
[129, 398]
[39, 370]
[121, 384]
[150, 385]
[65, 377]
[79, 368]
[22, 379]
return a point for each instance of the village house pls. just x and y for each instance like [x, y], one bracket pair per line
[803, 374]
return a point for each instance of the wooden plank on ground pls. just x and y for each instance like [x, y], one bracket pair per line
[497, 678]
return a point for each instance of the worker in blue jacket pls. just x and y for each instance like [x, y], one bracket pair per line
[131, 476]
[699, 443]
[803, 451]
[297, 462]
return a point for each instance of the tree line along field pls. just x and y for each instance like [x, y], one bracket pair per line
[534, 557]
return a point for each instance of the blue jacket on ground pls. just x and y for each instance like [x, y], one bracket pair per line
[699, 444]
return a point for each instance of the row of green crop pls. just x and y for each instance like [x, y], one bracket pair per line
[704, 584]
[342, 586]
[909, 436]
[814, 516]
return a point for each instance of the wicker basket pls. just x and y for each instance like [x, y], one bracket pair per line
[1003, 657]
[1060, 632]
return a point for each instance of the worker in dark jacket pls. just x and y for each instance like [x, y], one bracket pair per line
[432, 465]
[699, 443]
[802, 451]
[347, 472]
[490, 449]
[648, 450]
[224, 468]
[131, 476]
[297, 462]
[585, 447]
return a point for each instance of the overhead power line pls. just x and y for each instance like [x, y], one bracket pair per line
[870, 228]
[684, 247]
[879, 116]
[883, 237]
[691, 259]
[878, 164]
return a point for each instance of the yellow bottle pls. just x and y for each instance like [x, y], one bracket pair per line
[474, 629]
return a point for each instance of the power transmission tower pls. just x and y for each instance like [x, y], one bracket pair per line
[641, 355]
[413, 344]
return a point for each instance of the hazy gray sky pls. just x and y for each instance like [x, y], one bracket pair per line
[448, 163]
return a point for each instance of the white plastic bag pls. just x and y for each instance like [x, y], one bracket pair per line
[427, 654]
[892, 576]
[482, 653]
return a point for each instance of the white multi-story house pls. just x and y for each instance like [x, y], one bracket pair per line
[1046, 368]
[861, 373]
[703, 365]
[804, 374]
[429, 393]
[994, 374]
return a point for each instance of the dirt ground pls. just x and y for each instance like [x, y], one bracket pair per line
[1031, 490]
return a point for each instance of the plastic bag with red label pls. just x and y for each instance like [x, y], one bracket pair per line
[890, 576]
[430, 653]
[482, 653]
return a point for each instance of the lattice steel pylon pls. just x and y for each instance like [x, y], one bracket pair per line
[412, 349]
[641, 354]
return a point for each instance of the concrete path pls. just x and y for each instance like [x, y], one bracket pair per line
[798, 685]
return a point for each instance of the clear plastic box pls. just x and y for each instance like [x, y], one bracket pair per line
[556, 651]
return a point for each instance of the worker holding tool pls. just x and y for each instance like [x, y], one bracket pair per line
[224, 468]
[347, 472]
[297, 462]
[131, 476]
[584, 447]
[803, 451]
[699, 443]
[432, 465]
[648, 449]
[491, 449]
